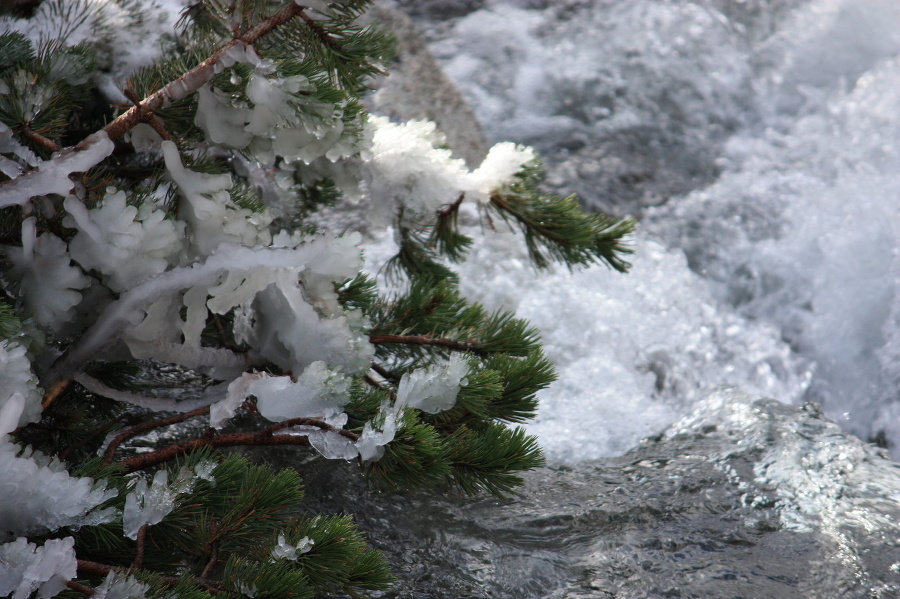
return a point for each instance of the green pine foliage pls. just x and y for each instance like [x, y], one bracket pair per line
[235, 528]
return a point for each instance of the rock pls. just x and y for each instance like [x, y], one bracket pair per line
[743, 498]
[418, 89]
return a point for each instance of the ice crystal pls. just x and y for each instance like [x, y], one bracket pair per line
[36, 492]
[26, 568]
[124, 243]
[285, 550]
[433, 389]
[46, 279]
[15, 372]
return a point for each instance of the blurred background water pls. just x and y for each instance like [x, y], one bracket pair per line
[758, 141]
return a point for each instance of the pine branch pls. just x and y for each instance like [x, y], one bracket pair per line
[81, 588]
[426, 340]
[38, 139]
[194, 79]
[145, 426]
[262, 438]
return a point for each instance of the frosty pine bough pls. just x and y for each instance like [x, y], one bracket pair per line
[162, 191]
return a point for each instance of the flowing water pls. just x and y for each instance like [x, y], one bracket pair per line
[758, 141]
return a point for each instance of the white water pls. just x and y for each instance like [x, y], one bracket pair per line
[794, 106]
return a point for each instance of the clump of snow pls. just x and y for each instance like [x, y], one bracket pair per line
[125, 243]
[434, 389]
[26, 568]
[407, 164]
[44, 276]
[500, 165]
[285, 550]
[36, 492]
[18, 381]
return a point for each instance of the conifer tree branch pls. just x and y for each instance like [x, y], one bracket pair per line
[425, 340]
[194, 79]
[139, 553]
[262, 438]
[148, 425]
[81, 588]
[265, 437]
[36, 138]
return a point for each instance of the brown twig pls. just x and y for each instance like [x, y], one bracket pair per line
[64, 455]
[373, 383]
[81, 588]
[98, 569]
[149, 118]
[450, 209]
[36, 138]
[262, 438]
[95, 568]
[196, 77]
[143, 427]
[265, 437]
[139, 550]
[212, 561]
[313, 422]
[425, 340]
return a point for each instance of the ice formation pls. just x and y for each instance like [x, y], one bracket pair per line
[317, 392]
[36, 492]
[52, 176]
[26, 568]
[434, 389]
[285, 550]
[19, 383]
[372, 440]
[211, 217]
[268, 123]
[117, 585]
[44, 276]
[146, 505]
[124, 243]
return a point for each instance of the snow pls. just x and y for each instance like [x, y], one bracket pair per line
[500, 165]
[26, 568]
